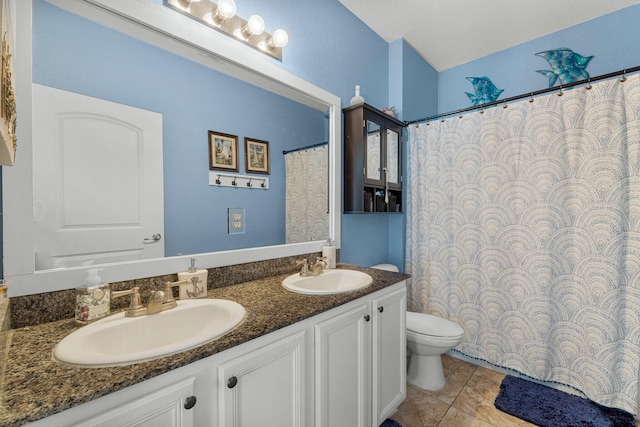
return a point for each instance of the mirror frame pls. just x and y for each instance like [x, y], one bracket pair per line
[165, 28]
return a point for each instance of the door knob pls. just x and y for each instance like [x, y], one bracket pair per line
[190, 402]
[232, 382]
[153, 238]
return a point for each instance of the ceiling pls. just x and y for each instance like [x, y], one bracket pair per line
[447, 33]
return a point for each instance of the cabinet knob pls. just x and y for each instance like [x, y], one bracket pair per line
[190, 402]
[367, 318]
[231, 382]
[380, 309]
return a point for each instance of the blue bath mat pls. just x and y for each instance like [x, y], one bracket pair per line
[548, 407]
[390, 423]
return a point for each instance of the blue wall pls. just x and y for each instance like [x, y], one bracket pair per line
[612, 39]
[193, 99]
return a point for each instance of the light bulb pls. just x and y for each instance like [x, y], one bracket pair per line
[226, 10]
[254, 26]
[279, 38]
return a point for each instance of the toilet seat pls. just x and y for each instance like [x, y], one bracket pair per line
[427, 324]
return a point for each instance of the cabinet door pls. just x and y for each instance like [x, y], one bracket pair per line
[342, 354]
[374, 154]
[389, 372]
[393, 165]
[162, 408]
[264, 387]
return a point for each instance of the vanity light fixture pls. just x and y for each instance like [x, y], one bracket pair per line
[222, 17]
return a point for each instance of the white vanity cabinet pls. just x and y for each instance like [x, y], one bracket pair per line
[360, 361]
[176, 399]
[389, 353]
[264, 387]
[166, 407]
[344, 367]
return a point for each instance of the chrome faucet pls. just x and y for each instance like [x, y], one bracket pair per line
[159, 300]
[315, 270]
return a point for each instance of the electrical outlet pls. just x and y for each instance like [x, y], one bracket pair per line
[236, 220]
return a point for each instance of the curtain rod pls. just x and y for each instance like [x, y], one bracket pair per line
[527, 95]
[320, 144]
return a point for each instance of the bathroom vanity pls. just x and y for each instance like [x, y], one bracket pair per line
[295, 360]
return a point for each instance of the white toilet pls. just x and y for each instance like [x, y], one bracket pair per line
[428, 337]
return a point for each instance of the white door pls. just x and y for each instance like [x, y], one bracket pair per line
[98, 181]
[342, 351]
[167, 407]
[389, 357]
[264, 387]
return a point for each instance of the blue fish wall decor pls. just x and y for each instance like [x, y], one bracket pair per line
[566, 65]
[485, 90]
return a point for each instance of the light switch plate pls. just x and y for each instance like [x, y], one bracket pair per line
[236, 220]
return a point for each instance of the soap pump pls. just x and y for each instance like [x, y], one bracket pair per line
[329, 252]
[196, 286]
[93, 299]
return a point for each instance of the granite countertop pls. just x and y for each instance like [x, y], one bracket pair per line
[34, 386]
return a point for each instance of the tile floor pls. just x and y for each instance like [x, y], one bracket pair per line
[466, 401]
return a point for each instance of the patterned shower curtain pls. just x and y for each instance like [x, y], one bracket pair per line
[307, 189]
[524, 227]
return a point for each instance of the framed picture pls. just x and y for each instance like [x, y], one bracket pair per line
[223, 151]
[256, 155]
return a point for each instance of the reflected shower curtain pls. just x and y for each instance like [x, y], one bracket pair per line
[524, 227]
[307, 184]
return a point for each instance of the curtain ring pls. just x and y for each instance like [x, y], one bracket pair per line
[624, 77]
[460, 116]
[504, 105]
[531, 97]
[588, 87]
[560, 91]
[442, 118]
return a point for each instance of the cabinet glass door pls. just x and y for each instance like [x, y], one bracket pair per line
[393, 152]
[374, 158]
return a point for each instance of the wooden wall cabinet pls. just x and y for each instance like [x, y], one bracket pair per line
[372, 160]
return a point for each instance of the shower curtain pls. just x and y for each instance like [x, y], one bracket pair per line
[524, 227]
[307, 190]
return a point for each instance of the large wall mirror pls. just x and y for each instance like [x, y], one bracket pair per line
[185, 80]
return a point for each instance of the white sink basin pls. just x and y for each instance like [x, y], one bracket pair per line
[118, 340]
[329, 282]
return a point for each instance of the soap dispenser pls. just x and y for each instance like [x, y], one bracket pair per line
[93, 299]
[196, 286]
[329, 252]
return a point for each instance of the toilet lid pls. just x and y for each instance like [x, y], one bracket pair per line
[435, 326]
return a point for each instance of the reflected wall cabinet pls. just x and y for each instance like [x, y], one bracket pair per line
[372, 160]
